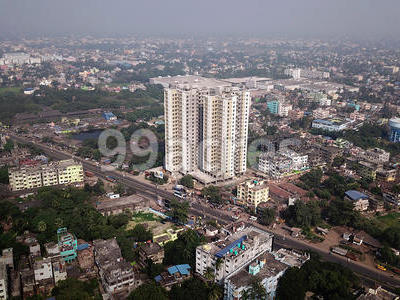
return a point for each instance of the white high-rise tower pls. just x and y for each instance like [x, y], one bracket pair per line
[206, 124]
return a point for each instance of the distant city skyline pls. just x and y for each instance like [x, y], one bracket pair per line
[292, 18]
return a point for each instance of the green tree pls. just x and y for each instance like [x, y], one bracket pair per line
[119, 189]
[312, 179]
[72, 289]
[140, 233]
[326, 280]
[266, 216]
[303, 215]
[150, 291]
[4, 175]
[212, 193]
[8, 146]
[183, 250]
[292, 285]
[120, 220]
[192, 288]
[187, 181]
[256, 291]
[209, 274]
[179, 211]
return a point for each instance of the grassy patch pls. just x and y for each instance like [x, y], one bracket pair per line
[389, 220]
[15, 90]
[311, 236]
[140, 217]
[351, 249]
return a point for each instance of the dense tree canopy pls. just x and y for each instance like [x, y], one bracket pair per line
[212, 193]
[303, 215]
[187, 181]
[266, 216]
[329, 280]
[183, 250]
[150, 291]
[71, 289]
[179, 211]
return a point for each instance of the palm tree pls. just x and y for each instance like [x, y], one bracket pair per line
[209, 274]
[215, 292]
[256, 291]
[42, 226]
[58, 222]
[218, 263]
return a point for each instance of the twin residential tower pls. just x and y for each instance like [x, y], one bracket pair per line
[206, 124]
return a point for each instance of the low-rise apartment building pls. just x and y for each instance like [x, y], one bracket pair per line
[116, 274]
[151, 251]
[376, 156]
[360, 200]
[321, 113]
[279, 164]
[265, 268]
[252, 193]
[330, 124]
[233, 252]
[274, 164]
[54, 173]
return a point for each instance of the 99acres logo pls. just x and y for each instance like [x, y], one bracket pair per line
[143, 144]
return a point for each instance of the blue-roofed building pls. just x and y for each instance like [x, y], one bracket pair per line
[360, 200]
[109, 116]
[83, 246]
[179, 270]
[174, 274]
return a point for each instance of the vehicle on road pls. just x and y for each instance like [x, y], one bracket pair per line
[89, 174]
[179, 194]
[111, 179]
[381, 267]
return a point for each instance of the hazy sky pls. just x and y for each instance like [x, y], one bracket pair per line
[363, 18]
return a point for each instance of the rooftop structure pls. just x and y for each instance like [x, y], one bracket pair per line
[67, 244]
[355, 195]
[282, 163]
[360, 200]
[119, 205]
[109, 116]
[335, 124]
[151, 251]
[227, 255]
[265, 268]
[291, 258]
[189, 81]
[117, 276]
[376, 155]
[174, 274]
[378, 294]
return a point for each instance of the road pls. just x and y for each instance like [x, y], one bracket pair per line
[150, 190]
[146, 189]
